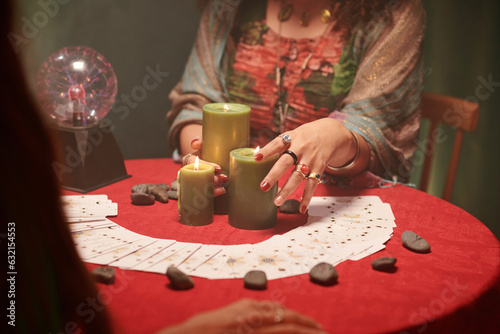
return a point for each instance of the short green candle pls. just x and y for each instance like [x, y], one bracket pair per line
[226, 126]
[196, 194]
[249, 207]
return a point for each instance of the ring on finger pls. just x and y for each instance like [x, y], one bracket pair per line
[314, 176]
[293, 155]
[303, 169]
[286, 139]
[279, 316]
[186, 158]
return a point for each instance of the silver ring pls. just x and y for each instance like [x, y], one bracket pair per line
[186, 158]
[286, 139]
[279, 316]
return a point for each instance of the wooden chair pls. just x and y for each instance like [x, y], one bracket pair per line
[460, 114]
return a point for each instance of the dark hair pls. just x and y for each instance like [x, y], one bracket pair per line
[50, 281]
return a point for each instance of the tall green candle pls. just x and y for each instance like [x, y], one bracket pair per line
[196, 194]
[249, 207]
[226, 126]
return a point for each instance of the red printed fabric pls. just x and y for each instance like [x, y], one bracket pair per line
[453, 289]
[308, 92]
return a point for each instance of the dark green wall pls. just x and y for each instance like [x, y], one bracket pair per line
[134, 36]
[461, 47]
[461, 51]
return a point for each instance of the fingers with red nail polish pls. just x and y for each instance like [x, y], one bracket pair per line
[219, 190]
[265, 186]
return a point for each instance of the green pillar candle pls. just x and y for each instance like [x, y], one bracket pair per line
[249, 207]
[226, 126]
[196, 194]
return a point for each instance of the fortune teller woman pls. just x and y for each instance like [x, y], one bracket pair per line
[333, 85]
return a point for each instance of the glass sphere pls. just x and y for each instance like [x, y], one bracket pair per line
[76, 86]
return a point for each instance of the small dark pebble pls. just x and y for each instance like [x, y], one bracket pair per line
[163, 186]
[140, 188]
[291, 206]
[172, 194]
[178, 279]
[255, 279]
[174, 185]
[415, 243]
[105, 275]
[142, 199]
[384, 263]
[160, 194]
[324, 274]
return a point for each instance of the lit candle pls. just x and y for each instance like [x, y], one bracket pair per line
[226, 126]
[249, 207]
[196, 194]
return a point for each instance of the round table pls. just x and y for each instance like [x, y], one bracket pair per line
[454, 288]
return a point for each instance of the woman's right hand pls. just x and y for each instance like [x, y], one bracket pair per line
[219, 179]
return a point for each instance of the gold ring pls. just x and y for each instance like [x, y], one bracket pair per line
[302, 169]
[315, 177]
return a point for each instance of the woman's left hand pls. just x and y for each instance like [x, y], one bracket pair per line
[316, 144]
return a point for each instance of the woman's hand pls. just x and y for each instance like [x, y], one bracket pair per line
[248, 316]
[219, 178]
[316, 144]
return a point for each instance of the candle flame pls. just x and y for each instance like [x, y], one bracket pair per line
[256, 150]
[197, 164]
[226, 108]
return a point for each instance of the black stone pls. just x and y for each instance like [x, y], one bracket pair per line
[159, 193]
[324, 274]
[140, 188]
[290, 206]
[179, 280]
[255, 279]
[172, 194]
[105, 275]
[384, 263]
[142, 199]
[163, 186]
[415, 243]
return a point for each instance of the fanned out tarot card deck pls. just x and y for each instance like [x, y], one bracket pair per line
[338, 229]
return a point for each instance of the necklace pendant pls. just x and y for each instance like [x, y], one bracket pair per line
[326, 15]
[304, 19]
[285, 13]
[283, 112]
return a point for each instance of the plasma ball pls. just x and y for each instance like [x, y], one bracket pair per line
[77, 87]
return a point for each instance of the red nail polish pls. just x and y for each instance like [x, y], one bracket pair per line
[302, 209]
[223, 178]
[258, 157]
[264, 186]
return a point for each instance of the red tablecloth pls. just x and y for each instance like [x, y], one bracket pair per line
[453, 289]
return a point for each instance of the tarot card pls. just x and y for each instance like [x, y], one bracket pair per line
[140, 255]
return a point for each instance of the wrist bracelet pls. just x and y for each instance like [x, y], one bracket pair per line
[350, 164]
